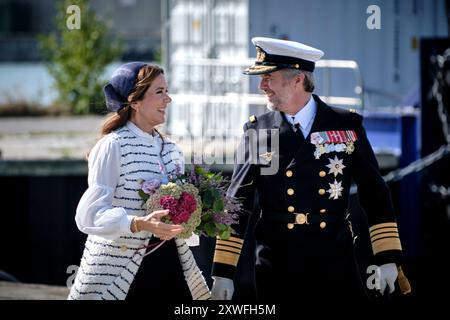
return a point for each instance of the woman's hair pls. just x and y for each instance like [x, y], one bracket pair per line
[144, 80]
[115, 120]
[308, 82]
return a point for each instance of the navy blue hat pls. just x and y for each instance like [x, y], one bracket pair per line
[119, 87]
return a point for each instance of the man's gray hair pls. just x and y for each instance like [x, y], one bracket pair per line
[308, 83]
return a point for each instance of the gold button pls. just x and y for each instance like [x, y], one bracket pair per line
[301, 218]
[322, 174]
[290, 225]
[323, 210]
[321, 192]
[290, 191]
[291, 209]
[123, 247]
[323, 224]
[289, 173]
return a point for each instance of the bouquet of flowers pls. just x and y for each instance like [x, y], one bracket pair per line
[196, 200]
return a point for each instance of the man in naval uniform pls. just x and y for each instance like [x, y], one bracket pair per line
[303, 237]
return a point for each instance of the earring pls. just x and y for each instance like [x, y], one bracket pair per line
[135, 107]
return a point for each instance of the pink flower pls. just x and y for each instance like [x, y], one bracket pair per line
[187, 202]
[180, 210]
[186, 206]
[181, 216]
[168, 203]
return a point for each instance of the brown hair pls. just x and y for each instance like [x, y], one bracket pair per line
[144, 80]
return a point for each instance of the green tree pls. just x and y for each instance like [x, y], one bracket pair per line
[77, 57]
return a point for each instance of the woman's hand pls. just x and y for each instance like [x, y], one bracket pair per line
[152, 222]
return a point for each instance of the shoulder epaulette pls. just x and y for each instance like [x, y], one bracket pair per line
[252, 118]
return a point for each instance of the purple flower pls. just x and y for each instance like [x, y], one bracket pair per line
[150, 186]
[232, 205]
[193, 177]
[225, 218]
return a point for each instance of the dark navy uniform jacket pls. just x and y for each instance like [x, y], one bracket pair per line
[310, 189]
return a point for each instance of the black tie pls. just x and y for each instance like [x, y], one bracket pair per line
[298, 132]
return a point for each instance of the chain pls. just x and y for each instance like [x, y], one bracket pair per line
[439, 81]
[417, 165]
[443, 151]
[414, 166]
[441, 190]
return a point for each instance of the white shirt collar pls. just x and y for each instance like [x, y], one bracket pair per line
[138, 131]
[305, 115]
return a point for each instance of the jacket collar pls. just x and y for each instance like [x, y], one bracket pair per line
[324, 116]
[140, 133]
[322, 120]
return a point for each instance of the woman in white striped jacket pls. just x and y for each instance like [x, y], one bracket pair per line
[120, 232]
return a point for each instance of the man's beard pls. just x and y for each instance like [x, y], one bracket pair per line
[272, 107]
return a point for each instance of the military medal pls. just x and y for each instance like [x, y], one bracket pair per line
[350, 147]
[339, 147]
[320, 149]
[316, 138]
[333, 141]
[336, 166]
[335, 190]
[317, 153]
[267, 156]
[329, 147]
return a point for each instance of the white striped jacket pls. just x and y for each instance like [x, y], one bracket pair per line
[108, 267]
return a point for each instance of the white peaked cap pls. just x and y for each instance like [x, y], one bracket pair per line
[275, 54]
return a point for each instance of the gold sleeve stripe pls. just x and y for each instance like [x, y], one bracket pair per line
[386, 244]
[383, 225]
[229, 241]
[229, 244]
[375, 232]
[225, 248]
[385, 235]
[233, 239]
[226, 257]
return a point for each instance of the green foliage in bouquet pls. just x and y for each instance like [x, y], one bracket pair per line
[218, 212]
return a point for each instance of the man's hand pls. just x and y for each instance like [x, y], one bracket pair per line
[388, 275]
[222, 289]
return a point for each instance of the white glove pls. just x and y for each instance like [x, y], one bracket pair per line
[388, 275]
[222, 289]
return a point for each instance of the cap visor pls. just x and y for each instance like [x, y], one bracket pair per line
[260, 69]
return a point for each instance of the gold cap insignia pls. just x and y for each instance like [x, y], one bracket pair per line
[260, 55]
